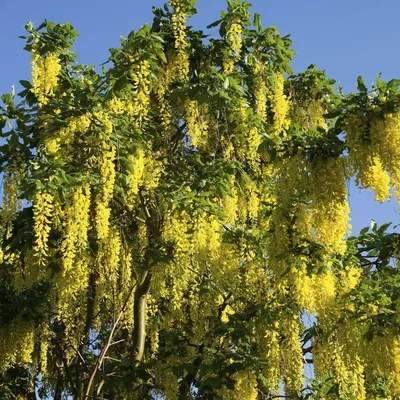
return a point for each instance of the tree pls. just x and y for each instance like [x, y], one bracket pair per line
[168, 224]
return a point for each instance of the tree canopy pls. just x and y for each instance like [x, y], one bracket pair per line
[177, 225]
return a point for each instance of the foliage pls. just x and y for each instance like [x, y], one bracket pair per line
[168, 224]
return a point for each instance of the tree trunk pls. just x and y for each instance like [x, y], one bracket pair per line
[139, 314]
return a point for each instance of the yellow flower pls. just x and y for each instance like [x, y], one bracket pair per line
[45, 76]
[280, 107]
[42, 216]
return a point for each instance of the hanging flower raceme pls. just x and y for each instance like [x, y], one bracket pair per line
[107, 174]
[107, 178]
[246, 137]
[139, 108]
[364, 157]
[164, 108]
[175, 231]
[60, 143]
[230, 202]
[245, 387]
[196, 124]
[292, 355]
[126, 282]
[385, 137]
[333, 363]
[280, 106]
[329, 203]
[45, 76]
[252, 200]
[17, 341]
[74, 275]
[260, 90]
[178, 21]
[316, 113]
[269, 347]
[234, 45]
[109, 267]
[136, 176]
[42, 215]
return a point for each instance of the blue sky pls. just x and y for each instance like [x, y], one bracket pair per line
[345, 38]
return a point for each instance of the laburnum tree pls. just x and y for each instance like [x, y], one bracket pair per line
[169, 225]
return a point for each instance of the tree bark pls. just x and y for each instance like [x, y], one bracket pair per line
[58, 390]
[139, 315]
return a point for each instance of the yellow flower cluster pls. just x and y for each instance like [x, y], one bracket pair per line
[240, 128]
[281, 107]
[313, 292]
[247, 138]
[17, 341]
[245, 387]
[381, 357]
[324, 292]
[374, 176]
[76, 225]
[385, 137]
[107, 179]
[395, 370]
[175, 231]
[117, 106]
[178, 22]
[316, 113]
[44, 344]
[339, 352]
[269, 344]
[152, 173]
[196, 124]
[136, 176]
[164, 107]
[126, 282]
[260, 91]
[253, 143]
[349, 278]
[234, 45]
[345, 369]
[206, 240]
[302, 287]
[365, 157]
[290, 224]
[74, 275]
[45, 76]
[108, 267]
[329, 203]
[60, 145]
[292, 355]
[42, 216]
[139, 107]
[253, 200]
[230, 202]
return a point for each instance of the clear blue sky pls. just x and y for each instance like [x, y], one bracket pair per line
[346, 38]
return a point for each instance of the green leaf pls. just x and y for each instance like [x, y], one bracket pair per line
[25, 84]
[226, 83]
[214, 24]
[257, 21]
[361, 85]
